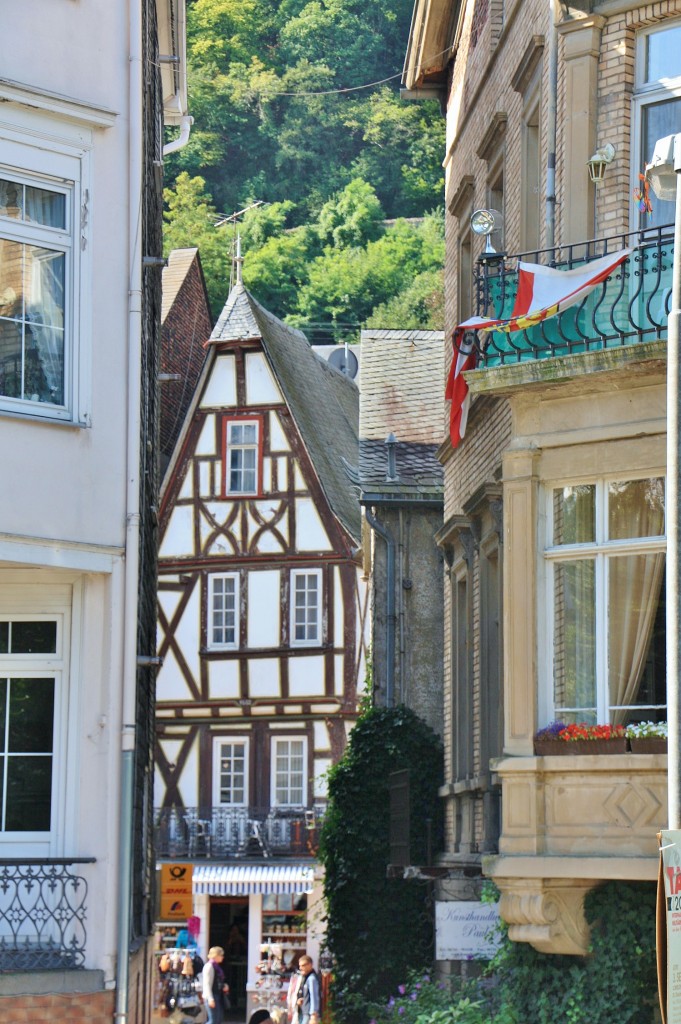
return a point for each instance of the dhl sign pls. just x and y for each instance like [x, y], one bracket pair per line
[176, 892]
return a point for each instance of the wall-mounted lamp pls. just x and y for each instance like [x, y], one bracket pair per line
[487, 222]
[597, 163]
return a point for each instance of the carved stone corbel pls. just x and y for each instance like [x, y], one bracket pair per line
[546, 913]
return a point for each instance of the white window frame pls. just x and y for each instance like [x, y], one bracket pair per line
[61, 603]
[307, 641]
[646, 93]
[235, 421]
[211, 644]
[218, 742]
[53, 155]
[600, 550]
[274, 801]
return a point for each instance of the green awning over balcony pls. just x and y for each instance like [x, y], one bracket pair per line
[247, 879]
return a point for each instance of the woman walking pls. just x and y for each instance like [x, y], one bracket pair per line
[213, 984]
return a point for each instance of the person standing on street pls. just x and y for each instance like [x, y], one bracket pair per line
[213, 985]
[309, 993]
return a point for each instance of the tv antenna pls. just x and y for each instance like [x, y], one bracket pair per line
[235, 247]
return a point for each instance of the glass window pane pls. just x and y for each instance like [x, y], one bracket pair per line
[249, 480]
[658, 120]
[3, 709]
[574, 514]
[636, 508]
[34, 637]
[11, 199]
[574, 655]
[662, 54]
[636, 634]
[31, 716]
[250, 433]
[235, 433]
[29, 790]
[43, 206]
[4, 637]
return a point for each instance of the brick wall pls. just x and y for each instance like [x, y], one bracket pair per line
[93, 1007]
[186, 327]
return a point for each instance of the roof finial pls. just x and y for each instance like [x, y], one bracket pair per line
[238, 261]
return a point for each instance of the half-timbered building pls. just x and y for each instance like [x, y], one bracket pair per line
[261, 627]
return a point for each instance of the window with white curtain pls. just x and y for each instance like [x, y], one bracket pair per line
[44, 250]
[605, 565]
[242, 439]
[657, 106]
[289, 771]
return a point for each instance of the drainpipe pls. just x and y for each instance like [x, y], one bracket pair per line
[551, 117]
[181, 141]
[387, 536]
[129, 686]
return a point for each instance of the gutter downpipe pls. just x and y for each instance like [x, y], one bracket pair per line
[551, 117]
[132, 528]
[387, 536]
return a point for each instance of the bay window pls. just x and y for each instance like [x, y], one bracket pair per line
[605, 564]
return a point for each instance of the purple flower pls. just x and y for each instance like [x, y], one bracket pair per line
[391, 1002]
[426, 977]
[400, 1009]
[550, 732]
[412, 996]
[442, 986]
[401, 989]
[418, 984]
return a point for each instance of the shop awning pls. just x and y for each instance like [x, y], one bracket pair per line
[245, 879]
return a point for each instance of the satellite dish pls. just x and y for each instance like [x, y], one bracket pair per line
[343, 359]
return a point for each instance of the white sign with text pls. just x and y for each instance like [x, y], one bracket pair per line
[465, 930]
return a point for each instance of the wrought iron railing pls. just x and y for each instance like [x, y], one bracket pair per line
[629, 307]
[42, 914]
[216, 833]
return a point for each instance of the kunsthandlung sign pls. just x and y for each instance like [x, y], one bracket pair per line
[466, 930]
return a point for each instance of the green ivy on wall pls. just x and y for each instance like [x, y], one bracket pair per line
[616, 982]
[378, 928]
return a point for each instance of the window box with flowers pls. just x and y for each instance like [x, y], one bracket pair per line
[647, 737]
[580, 738]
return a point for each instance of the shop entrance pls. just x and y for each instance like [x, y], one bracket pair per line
[228, 928]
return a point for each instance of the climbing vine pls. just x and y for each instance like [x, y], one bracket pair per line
[378, 928]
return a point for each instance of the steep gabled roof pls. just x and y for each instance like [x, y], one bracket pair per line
[174, 275]
[324, 403]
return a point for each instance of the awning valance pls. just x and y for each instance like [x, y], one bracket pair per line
[245, 879]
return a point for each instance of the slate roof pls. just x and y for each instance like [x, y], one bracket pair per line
[401, 381]
[401, 392]
[323, 402]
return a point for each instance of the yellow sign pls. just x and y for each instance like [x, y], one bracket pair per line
[176, 892]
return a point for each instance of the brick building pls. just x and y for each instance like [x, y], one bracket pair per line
[554, 529]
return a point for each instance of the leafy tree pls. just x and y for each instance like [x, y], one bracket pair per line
[191, 221]
[420, 305]
[352, 217]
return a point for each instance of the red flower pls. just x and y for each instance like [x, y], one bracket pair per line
[583, 731]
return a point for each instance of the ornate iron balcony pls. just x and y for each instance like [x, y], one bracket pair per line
[218, 833]
[629, 307]
[42, 914]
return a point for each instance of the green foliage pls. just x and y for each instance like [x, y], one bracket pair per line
[190, 221]
[377, 928]
[616, 982]
[352, 217]
[424, 1001]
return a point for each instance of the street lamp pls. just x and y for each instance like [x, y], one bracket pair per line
[664, 173]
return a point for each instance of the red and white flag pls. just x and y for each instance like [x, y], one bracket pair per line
[542, 292]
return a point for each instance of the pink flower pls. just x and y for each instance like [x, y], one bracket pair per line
[401, 989]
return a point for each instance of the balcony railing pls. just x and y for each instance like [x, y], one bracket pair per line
[629, 307]
[217, 833]
[42, 914]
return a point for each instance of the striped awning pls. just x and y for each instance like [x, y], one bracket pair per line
[245, 879]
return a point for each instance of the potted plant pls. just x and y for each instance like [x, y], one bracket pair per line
[647, 737]
[547, 740]
[580, 738]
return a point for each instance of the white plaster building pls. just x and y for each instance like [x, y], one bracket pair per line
[84, 96]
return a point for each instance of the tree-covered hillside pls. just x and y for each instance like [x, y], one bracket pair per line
[279, 118]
